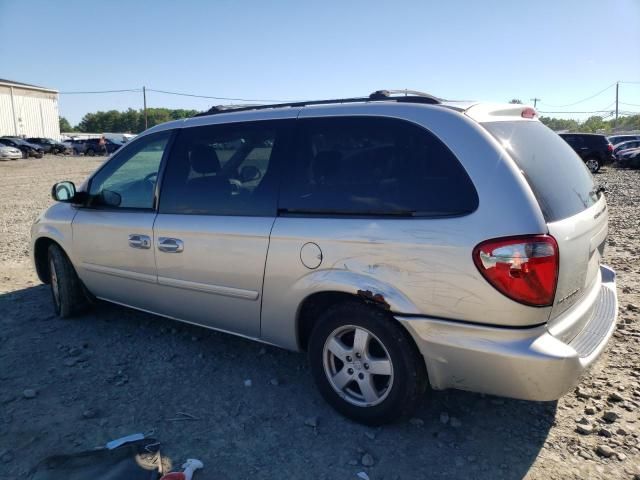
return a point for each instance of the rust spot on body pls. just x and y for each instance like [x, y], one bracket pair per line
[376, 298]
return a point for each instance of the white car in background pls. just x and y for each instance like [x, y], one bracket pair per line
[9, 153]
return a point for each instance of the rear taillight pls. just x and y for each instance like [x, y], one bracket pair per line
[609, 148]
[524, 269]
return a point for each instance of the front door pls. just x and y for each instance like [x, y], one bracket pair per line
[217, 206]
[113, 234]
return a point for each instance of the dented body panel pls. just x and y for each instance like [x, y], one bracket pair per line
[420, 270]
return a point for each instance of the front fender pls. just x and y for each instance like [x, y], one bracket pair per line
[54, 224]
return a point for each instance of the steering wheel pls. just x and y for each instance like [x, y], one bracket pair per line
[236, 186]
[149, 178]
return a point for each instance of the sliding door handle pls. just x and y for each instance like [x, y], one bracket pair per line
[139, 241]
[170, 245]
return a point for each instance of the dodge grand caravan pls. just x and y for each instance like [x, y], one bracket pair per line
[401, 241]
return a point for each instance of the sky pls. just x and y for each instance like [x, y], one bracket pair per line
[559, 51]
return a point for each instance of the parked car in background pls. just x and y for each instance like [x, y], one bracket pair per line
[92, 147]
[595, 150]
[27, 149]
[626, 145]
[77, 145]
[629, 158]
[48, 144]
[615, 139]
[9, 153]
[368, 233]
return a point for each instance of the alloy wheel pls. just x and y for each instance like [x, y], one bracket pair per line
[358, 366]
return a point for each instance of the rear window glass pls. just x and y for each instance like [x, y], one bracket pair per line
[374, 166]
[558, 177]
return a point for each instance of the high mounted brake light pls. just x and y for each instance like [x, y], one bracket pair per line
[524, 269]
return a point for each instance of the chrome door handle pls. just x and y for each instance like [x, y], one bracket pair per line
[170, 245]
[139, 241]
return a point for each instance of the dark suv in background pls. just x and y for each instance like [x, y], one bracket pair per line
[48, 145]
[595, 150]
[92, 147]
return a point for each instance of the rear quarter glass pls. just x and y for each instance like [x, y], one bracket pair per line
[557, 176]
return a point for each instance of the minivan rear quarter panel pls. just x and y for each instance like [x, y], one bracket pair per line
[420, 266]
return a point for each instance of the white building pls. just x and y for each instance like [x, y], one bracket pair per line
[28, 110]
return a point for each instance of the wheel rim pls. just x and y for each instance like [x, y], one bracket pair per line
[358, 366]
[54, 283]
[592, 165]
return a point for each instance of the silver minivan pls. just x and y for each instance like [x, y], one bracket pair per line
[400, 240]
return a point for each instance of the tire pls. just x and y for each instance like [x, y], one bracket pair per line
[66, 288]
[593, 164]
[393, 393]
[90, 152]
[25, 154]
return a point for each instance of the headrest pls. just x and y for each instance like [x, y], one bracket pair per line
[326, 165]
[204, 159]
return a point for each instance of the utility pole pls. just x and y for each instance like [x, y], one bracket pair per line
[535, 101]
[616, 122]
[144, 98]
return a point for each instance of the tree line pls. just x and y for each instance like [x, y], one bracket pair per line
[129, 121]
[593, 124]
[132, 121]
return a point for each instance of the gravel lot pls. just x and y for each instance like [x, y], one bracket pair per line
[116, 371]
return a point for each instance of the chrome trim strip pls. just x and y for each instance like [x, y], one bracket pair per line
[117, 272]
[208, 288]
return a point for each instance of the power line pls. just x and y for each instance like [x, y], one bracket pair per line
[102, 91]
[218, 98]
[580, 101]
[592, 111]
[606, 109]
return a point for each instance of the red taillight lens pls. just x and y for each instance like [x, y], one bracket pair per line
[524, 269]
[610, 148]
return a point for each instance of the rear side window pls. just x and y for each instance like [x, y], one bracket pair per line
[224, 170]
[596, 140]
[374, 166]
[558, 177]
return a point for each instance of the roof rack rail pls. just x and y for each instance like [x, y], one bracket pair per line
[402, 96]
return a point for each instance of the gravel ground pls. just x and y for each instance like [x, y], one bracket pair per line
[69, 385]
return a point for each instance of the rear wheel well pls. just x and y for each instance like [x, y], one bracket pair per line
[41, 257]
[310, 310]
[314, 305]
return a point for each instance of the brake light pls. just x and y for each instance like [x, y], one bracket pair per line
[524, 269]
[609, 148]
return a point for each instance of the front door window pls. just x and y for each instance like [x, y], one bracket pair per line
[128, 180]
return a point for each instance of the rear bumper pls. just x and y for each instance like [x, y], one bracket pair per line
[529, 364]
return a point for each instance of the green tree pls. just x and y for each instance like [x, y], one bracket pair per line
[65, 126]
[130, 121]
[560, 124]
[516, 101]
[594, 124]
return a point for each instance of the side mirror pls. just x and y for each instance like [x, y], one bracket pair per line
[110, 198]
[249, 173]
[63, 192]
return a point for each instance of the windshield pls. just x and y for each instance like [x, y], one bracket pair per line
[558, 177]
